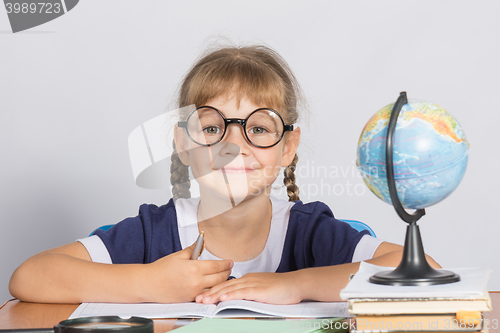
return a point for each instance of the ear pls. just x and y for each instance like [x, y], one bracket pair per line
[290, 145]
[182, 144]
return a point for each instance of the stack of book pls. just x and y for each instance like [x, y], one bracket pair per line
[454, 307]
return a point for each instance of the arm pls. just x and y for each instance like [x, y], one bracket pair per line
[56, 275]
[318, 283]
[67, 275]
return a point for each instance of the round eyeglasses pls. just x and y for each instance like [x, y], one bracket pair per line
[263, 127]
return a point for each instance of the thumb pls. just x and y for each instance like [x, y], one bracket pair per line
[187, 252]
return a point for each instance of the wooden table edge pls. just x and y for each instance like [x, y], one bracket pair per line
[7, 301]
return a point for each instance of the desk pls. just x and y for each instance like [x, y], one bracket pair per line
[16, 314]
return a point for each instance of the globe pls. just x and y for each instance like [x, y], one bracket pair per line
[430, 154]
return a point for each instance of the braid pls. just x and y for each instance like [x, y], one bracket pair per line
[291, 188]
[179, 177]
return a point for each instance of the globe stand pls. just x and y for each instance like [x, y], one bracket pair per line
[414, 270]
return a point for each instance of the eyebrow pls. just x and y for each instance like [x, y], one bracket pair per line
[260, 107]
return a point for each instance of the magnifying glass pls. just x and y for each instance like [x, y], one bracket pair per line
[104, 324]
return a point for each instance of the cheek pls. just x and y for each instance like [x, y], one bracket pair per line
[201, 161]
[271, 163]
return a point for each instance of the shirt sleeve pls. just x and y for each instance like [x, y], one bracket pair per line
[365, 249]
[124, 241]
[96, 249]
[142, 239]
[333, 241]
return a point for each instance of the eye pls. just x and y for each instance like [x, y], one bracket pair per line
[212, 130]
[258, 130]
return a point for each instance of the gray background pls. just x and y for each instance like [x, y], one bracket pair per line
[73, 89]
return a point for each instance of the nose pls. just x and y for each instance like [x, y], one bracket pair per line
[235, 135]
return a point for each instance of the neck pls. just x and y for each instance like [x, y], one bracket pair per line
[239, 233]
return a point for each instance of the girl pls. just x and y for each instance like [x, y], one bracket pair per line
[236, 132]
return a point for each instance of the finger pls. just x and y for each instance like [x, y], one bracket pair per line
[214, 296]
[223, 284]
[214, 289]
[209, 281]
[259, 294]
[246, 292]
[208, 267]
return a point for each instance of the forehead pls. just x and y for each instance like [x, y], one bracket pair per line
[237, 93]
[230, 105]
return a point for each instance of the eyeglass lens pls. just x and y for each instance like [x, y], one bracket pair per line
[263, 128]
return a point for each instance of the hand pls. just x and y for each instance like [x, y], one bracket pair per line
[177, 278]
[274, 288]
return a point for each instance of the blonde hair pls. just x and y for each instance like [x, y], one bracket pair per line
[255, 72]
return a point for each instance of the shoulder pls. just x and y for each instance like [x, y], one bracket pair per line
[154, 210]
[311, 209]
[144, 238]
[316, 220]
[148, 216]
[313, 218]
[151, 213]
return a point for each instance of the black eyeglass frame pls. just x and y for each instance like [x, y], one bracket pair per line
[242, 122]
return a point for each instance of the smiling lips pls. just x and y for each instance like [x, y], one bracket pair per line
[236, 170]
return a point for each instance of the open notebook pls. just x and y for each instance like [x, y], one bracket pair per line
[228, 309]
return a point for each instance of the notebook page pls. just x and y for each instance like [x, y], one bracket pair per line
[242, 308]
[146, 310]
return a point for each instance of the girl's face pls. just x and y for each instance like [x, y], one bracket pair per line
[234, 169]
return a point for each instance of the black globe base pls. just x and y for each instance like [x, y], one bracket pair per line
[394, 278]
[414, 270]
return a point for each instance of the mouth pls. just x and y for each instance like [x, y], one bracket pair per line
[235, 170]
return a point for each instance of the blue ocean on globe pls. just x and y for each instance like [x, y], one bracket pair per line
[430, 154]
